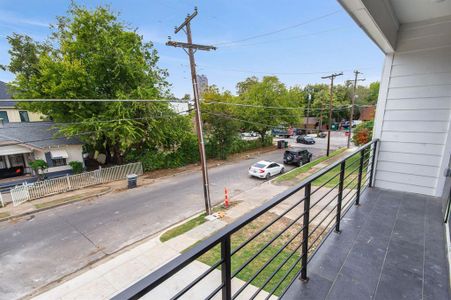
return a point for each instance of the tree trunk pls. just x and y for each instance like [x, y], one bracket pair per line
[117, 154]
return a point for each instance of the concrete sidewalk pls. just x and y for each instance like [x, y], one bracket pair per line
[108, 277]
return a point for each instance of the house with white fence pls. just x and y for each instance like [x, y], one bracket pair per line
[24, 142]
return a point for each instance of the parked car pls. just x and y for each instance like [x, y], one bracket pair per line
[297, 157]
[300, 131]
[266, 169]
[283, 132]
[305, 139]
[321, 135]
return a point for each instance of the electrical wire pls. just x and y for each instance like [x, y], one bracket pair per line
[95, 100]
[339, 107]
[280, 29]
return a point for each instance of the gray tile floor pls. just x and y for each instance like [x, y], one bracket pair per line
[391, 247]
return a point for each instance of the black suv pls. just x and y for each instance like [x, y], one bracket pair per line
[297, 157]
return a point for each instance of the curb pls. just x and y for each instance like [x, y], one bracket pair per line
[54, 206]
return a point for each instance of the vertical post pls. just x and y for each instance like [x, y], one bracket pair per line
[340, 195]
[351, 118]
[330, 114]
[226, 268]
[372, 164]
[305, 231]
[68, 182]
[359, 179]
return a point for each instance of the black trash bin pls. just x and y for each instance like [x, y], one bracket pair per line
[285, 144]
[132, 180]
[280, 144]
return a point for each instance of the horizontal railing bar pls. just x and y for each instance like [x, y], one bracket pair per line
[243, 244]
[325, 228]
[320, 223]
[266, 246]
[350, 190]
[269, 261]
[215, 291]
[152, 280]
[198, 279]
[331, 200]
[349, 183]
[327, 193]
[325, 183]
[285, 277]
[280, 266]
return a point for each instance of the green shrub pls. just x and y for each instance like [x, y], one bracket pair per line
[77, 166]
[38, 164]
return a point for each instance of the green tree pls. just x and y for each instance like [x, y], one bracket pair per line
[221, 125]
[93, 55]
[259, 96]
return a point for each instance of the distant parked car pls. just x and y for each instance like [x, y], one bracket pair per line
[300, 131]
[321, 135]
[297, 157]
[266, 169]
[305, 139]
[249, 134]
[283, 132]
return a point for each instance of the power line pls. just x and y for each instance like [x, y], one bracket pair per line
[342, 107]
[284, 39]
[281, 29]
[88, 122]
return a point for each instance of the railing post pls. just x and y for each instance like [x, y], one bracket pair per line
[340, 195]
[359, 179]
[305, 231]
[226, 268]
[372, 164]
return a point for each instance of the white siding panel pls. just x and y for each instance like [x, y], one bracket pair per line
[417, 115]
[406, 178]
[414, 137]
[413, 148]
[406, 168]
[417, 109]
[404, 187]
[416, 159]
[409, 69]
[415, 126]
[431, 79]
[427, 42]
[419, 92]
[421, 103]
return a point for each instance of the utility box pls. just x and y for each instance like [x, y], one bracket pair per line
[132, 181]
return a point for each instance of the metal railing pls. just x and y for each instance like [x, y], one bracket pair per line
[26, 192]
[308, 219]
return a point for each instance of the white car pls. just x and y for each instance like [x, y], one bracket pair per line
[266, 169]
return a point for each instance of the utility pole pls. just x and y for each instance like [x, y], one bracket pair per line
[308, 111]
[331, 91]
[190, 49]
[351, 117]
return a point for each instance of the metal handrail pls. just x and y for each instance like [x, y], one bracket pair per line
[222, 237]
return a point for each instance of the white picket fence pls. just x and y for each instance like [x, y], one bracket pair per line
[25, 192]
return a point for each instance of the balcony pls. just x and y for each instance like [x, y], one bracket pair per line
[333, 236]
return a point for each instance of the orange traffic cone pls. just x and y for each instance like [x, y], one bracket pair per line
[226, 199]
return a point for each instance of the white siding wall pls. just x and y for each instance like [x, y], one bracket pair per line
[75, 153]
[414, 109]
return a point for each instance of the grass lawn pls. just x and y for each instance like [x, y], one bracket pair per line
[305, 168]
[291, 253]
[187, 226]
[351, 166]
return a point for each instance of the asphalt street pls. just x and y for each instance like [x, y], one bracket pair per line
[44, 247]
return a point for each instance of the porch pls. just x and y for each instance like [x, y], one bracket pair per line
[390, 247]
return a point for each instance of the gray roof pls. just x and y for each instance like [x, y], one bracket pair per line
[35, 134]
[4, 95]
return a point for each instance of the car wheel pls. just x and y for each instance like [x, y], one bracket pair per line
[299, 163]
[282, 170]
[267, 176]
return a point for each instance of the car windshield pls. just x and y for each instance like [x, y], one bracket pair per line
[308, 138]
[257, 165]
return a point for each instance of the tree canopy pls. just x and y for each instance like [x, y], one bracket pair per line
[91, 54]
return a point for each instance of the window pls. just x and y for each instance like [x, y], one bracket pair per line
[58, 162]
[4, 116]
[24, 116]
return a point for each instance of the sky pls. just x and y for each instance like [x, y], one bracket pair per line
[297, 40]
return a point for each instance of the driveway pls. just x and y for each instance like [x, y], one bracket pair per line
[47, 246]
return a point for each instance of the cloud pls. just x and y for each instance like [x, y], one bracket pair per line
[13, 19]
